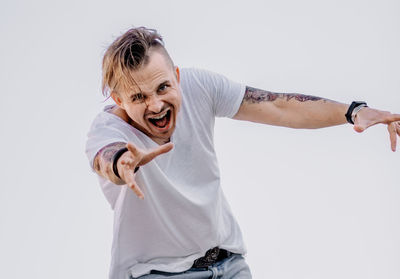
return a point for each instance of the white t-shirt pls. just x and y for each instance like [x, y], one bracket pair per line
[184, 212]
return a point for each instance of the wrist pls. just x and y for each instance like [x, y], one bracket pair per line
[353, 109]
[115, 159]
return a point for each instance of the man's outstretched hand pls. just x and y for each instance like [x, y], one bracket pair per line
[136, 157]
[368, 117]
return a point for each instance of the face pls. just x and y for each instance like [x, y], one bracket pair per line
[153, 104]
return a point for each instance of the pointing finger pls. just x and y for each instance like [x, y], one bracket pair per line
[156, 152]
[393, 135]
[137, 190]
[130, 181]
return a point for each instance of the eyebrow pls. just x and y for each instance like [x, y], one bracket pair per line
[134, 94]
[163, 83]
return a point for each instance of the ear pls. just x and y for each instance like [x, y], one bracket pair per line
[178, 76]
[117, 98]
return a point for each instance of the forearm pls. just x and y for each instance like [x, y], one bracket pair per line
[103, 162]
[290, 110]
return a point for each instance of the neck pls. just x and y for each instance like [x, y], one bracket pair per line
[121, 114]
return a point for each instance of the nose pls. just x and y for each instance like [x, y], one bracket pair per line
[154, 103]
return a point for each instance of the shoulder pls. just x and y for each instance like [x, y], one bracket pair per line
[199, 82]
[107, 117]
[197, 75]
[110, 121]
[195, 87]
[208, 80]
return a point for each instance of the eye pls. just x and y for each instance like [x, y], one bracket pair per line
[139, 97]
[163, 87]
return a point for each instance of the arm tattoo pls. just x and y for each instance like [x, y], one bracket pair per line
[254, 96]
[103, 160]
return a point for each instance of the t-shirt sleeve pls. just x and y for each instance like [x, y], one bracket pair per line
[226, 95]
[103, 132]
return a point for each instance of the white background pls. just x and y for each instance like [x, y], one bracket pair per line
[311, 204]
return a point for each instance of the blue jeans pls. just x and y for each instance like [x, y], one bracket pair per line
[234, 267]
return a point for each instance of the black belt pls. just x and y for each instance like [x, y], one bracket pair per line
[211, 257]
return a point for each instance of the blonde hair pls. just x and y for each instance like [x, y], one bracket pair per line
[127, 53]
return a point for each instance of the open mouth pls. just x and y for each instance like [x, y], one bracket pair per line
[161, 121]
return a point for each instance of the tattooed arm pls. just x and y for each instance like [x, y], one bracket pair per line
[303, 111]
[103, 162]
[290, 110]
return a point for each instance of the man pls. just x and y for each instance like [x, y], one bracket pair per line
[158, 141]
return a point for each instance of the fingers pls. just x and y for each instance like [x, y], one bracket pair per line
[156, 152]
[126, 170]
[392, 128]
[143, 157]
[129, 178]
[137, 157]
[368, 117]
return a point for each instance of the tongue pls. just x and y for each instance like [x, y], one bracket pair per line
[161, 122]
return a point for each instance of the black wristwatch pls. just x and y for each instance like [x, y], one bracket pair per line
[353, 109]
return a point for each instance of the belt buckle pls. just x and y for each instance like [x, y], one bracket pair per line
[208, 259]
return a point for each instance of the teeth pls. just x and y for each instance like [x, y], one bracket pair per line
[160, 116]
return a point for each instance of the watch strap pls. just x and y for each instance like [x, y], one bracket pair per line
[349, 114]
